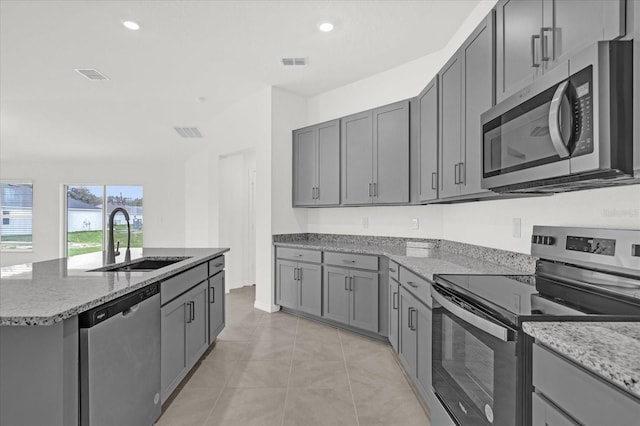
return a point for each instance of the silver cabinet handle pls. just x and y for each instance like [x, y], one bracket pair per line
[485, 325]
[346, 285]
[394, 302]
[544, 42]
[350, 283]
[217, 265]
[313, 192]
[434, 180]
[348, 261]
[412, 284]
[317, 192]
[375, 189]
[299, 274]
[409, 316]
[534, 64]
[555, 112]
[193, 310]
[370, 192]
[212, 295]
[455, 173]
[392, 270]
[188, 312]
[462, 172]
[295, 274]
[412, 322]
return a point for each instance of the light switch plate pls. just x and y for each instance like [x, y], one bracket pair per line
[415, 223]
[365, 222]
[516, 225]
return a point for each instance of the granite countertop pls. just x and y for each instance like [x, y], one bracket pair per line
[439, 261]
[44, 293]
[611, 350]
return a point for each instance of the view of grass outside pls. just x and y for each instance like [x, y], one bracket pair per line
[87, 219]
[16, 226]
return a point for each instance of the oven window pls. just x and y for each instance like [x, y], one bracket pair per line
[469, 362]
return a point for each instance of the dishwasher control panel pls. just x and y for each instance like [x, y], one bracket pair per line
[122, 305]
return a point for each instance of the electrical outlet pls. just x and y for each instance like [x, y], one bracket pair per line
[415, 223]
[365, 222]
[516, 227]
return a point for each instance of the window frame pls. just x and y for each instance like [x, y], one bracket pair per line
[10, 216]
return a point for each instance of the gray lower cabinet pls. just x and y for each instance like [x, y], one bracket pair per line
[299, 286]
[185, 335]
[316, 165]
[428, 125]
[566, 394]
[534, 36]
[466, 91]
[350, 296]
[394, 309]
[216, 305]
[375, 156]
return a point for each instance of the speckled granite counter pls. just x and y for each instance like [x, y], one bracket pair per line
[608, 349]
[447, 257]
[44, 293]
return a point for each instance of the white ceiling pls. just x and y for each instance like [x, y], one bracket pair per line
[220, 50]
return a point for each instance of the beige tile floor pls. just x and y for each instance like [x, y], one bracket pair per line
[276, 370]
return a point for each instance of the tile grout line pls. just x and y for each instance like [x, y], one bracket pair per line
[286, 395]
[346, 369]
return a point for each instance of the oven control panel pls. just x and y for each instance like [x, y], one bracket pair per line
[602, 246]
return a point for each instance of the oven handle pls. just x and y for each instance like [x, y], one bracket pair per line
[554, 120]
[492, 328]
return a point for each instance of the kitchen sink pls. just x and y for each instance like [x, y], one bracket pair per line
[144, 264]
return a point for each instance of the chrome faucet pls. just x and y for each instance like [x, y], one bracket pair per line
[111, 251]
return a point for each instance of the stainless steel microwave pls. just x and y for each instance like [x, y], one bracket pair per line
[571, 129]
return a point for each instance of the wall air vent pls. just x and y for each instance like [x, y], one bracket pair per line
[293, 62]
[92, 74]
[188, 132]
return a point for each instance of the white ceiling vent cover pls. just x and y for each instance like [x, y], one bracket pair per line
[293, 62]
[92, 74]
[188, 132]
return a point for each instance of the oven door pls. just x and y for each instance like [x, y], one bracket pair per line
[474, 363]
[532, 135]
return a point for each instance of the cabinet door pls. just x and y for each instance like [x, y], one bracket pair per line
[173, 345]
[364, 300]
[304, 165]
[287, 285]
[477, 54]
[328, 187]
[450, 127]
[310, 288]
[394, 306]
[423, 350]
[216, 306]
[198, 325]
[545, 414]
[357, 158]
[575, 24]
[391, 153]
[335, 294]
[428, 104]
[408, 339]
[519, 23]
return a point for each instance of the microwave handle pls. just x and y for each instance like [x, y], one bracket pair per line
[487, 326]
[554, 121]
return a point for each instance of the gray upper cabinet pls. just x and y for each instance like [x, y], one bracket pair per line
[428, 130]
[357, 158]
[466, 91]
[316, 165]
[375, 156]
[534, 36]
[391, 153]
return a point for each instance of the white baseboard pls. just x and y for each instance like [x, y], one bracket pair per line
[266, 307]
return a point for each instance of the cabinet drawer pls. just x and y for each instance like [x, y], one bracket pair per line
[216, 265]
[586, 398]
[416, 285]
[361, 261]
[178, 284]
[299, 254]
[394, 270]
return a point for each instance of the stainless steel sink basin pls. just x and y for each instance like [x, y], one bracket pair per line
[144, 264]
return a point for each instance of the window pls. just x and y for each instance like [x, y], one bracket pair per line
[88, 210]
[16, 231]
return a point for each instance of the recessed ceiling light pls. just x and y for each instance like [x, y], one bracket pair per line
[132, 25]
[325, 27]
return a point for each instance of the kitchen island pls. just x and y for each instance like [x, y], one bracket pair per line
[40, 304]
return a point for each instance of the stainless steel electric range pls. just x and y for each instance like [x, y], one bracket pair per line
[481, 356]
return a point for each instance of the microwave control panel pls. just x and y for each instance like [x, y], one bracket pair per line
[582, 100]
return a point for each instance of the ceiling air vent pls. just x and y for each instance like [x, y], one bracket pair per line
[293, 62]
[92, 74]
[188, 132]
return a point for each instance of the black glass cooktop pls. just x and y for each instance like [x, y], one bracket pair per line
[518, 298]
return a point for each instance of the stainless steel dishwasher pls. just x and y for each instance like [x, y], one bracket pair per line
[120, 361]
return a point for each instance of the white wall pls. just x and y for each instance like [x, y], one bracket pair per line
[164, 199]
[486, 223]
